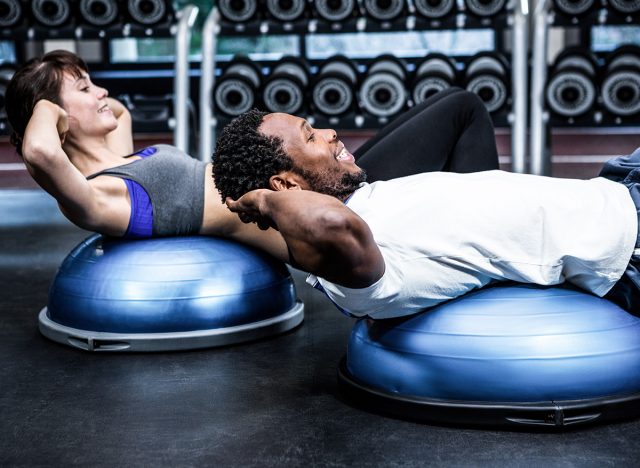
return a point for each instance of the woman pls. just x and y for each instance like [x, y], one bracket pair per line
[77, 144]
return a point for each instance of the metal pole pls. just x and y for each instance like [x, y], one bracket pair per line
[519, 86]
[540, 163]
[181, 80]
[207, 78]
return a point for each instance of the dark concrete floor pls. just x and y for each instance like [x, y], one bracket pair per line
[269, 403]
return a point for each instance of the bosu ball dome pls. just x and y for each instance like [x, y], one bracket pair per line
[517, 355]
[168, 294]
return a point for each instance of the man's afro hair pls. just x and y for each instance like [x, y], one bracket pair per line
[245, 159]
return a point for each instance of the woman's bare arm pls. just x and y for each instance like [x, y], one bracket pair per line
[51, 168]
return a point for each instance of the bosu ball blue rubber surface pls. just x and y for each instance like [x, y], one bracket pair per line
[168, 294]
[514, 355]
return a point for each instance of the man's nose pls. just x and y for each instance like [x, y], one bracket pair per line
[331, 135]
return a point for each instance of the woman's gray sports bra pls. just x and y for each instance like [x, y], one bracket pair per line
[174, 183]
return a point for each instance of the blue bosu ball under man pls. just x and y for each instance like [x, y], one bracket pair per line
[511, 355]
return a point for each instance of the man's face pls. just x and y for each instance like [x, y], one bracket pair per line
[318, 156]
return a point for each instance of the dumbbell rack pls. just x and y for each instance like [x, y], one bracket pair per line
[518, 20]
[180, 30]
[543, 18]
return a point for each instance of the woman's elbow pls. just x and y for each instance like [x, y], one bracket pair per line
[37, 152]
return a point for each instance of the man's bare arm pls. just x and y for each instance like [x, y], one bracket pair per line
[324, 236]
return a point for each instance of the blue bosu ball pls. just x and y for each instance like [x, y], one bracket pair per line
[168, 294]
[509, 355]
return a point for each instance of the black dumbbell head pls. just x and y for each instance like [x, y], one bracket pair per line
[147, 12]
[573, 7]
[51, 13]
[487, 76]
[384, 10]
[627, 7]
[99, 13]
[485, 8]
[10, 13]
[334, 90]
[238, 11]
[571, 87]
[334, 10]
[433, 9]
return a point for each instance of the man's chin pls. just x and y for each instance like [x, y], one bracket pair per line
[333, 184]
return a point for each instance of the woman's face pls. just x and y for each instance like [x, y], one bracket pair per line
[86, 106]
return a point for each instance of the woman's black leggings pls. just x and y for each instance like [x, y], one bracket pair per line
[451, 131]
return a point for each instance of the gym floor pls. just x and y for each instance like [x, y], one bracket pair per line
[273, 402]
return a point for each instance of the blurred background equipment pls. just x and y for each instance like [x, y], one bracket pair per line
[99, 13]
[433, 9]
[487, 76]
[51, 13]
[435, 73]
[620, 89]
[571, 88]
[485, 8]
[625, 6]
[237, 89]
[334, 10]
[384, 10]
[334, 90]
[573, 7]
[285, 87]
[286, 10]
[10, 13]
[147, 12]
[149, 113]
[6, 72]
[237, 11]
[383, 92]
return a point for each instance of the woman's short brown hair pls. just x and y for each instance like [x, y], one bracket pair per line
[39, 78]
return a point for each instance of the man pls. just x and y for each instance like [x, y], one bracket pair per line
[395, 247]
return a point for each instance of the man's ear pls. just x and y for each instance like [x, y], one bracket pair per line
[286, 180]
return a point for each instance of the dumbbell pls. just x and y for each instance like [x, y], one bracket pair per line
[99, 13]
[51, 13]
[620, 90]
[435, 73]
[382, 92]
[334, 10]
[485, 8]
[237, 89]
[284, 88]
[571, 88]
[573, 7]
[434, 9]
[238, 11]
[626, 7]
[334, 89]
[10, 13]
[487, 76]
[286, 10]
[384, 10]
[148, 12]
